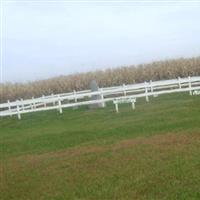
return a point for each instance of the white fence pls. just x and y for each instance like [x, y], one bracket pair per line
[78, 98]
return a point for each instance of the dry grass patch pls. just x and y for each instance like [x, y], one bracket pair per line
[140, 168]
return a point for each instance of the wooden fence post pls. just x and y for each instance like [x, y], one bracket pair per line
[124, 89]
[146, 91]
[133, 105]
[151, 86]
[75, 99]
[31, 106]
[52, 95]
[34, 106]
[102, 98]
[116, 107]
[9, 108]
[18, 110]
[43, 97]
[179, 82]
[60, 106]
[22, 103]
[190, 85]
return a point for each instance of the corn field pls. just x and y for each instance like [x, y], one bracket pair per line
[160, 70]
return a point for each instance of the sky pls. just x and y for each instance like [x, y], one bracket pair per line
[46, 39]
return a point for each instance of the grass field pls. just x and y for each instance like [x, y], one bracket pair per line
[150, 153]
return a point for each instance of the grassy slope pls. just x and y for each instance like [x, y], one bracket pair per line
[150, 153]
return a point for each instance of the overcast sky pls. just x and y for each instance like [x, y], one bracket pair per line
[43, 40]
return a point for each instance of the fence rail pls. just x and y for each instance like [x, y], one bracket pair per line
[79, 98]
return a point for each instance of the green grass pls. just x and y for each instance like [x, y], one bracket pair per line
[150, 153]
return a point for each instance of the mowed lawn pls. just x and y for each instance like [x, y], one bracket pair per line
[150, 153]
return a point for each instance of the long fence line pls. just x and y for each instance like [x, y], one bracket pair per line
[79, 98]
